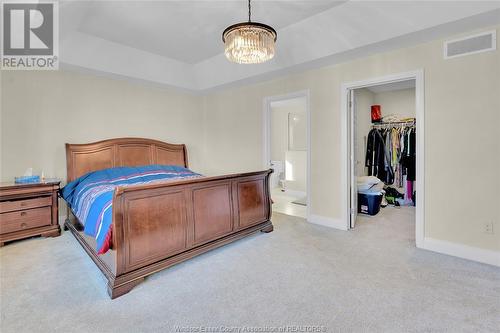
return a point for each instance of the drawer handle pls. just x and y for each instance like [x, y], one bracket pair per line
[23, 225]
[23, 213]
[24, 203]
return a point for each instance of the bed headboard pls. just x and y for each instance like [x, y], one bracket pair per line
[87, 157]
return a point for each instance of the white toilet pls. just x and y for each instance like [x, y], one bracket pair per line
[278, 176]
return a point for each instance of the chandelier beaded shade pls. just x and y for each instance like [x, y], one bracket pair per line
[249, 42]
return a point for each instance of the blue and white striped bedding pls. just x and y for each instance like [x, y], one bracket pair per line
[91, 196]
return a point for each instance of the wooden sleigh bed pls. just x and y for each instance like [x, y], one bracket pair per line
[158, 225]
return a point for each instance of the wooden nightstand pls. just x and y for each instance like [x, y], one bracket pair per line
[28, 210]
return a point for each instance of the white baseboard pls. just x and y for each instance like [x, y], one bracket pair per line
[327, 222]
[462, 251]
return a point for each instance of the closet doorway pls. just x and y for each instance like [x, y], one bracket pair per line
[286, 151]
[384, 154]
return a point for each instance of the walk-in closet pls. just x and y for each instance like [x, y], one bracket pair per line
[384, 148]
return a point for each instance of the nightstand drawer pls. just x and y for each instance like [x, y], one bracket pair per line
[25, 219]
[10, 206]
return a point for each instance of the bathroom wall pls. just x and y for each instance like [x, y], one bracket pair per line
[295, 160]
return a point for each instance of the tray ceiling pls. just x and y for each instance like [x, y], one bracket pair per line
[178, 43]
[187, 31]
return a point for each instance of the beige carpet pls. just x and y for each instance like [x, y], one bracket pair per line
[372, 279]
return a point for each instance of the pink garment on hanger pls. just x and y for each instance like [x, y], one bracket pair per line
[409, 190]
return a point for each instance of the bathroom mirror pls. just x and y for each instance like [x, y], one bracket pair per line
[297, 132]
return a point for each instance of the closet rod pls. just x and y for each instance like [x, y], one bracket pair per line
[392, 123]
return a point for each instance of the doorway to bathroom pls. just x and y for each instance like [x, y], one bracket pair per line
[286, 151]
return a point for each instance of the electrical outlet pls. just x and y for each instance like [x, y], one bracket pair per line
[488, 227]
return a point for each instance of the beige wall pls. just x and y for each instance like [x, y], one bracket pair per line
[363, 100]
[462, 148]
[41, 111]
[397, 102]
[1, 126]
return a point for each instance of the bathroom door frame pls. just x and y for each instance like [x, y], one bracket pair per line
[418, 76]
[266, 134]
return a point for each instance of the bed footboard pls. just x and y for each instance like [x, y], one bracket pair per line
[158, 225]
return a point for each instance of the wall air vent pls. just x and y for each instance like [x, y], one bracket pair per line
[485, 41]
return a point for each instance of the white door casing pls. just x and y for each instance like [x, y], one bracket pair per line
[352, 150]
[266, 120]
[418, 76]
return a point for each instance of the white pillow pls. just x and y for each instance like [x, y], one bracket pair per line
[368, 180]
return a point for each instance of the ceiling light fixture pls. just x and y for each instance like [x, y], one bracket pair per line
[249, 42]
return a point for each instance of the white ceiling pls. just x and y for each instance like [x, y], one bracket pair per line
[187, 31]
[393, 86]
[178, 43]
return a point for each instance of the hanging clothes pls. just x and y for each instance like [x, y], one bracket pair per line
[391, 156]
[374, 160]
[395, 157]
[409, 190]
[378, 160]
[408, 159]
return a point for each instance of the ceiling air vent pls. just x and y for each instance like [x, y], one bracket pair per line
[485, 41]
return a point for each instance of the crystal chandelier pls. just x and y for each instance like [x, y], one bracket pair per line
[249, 42]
